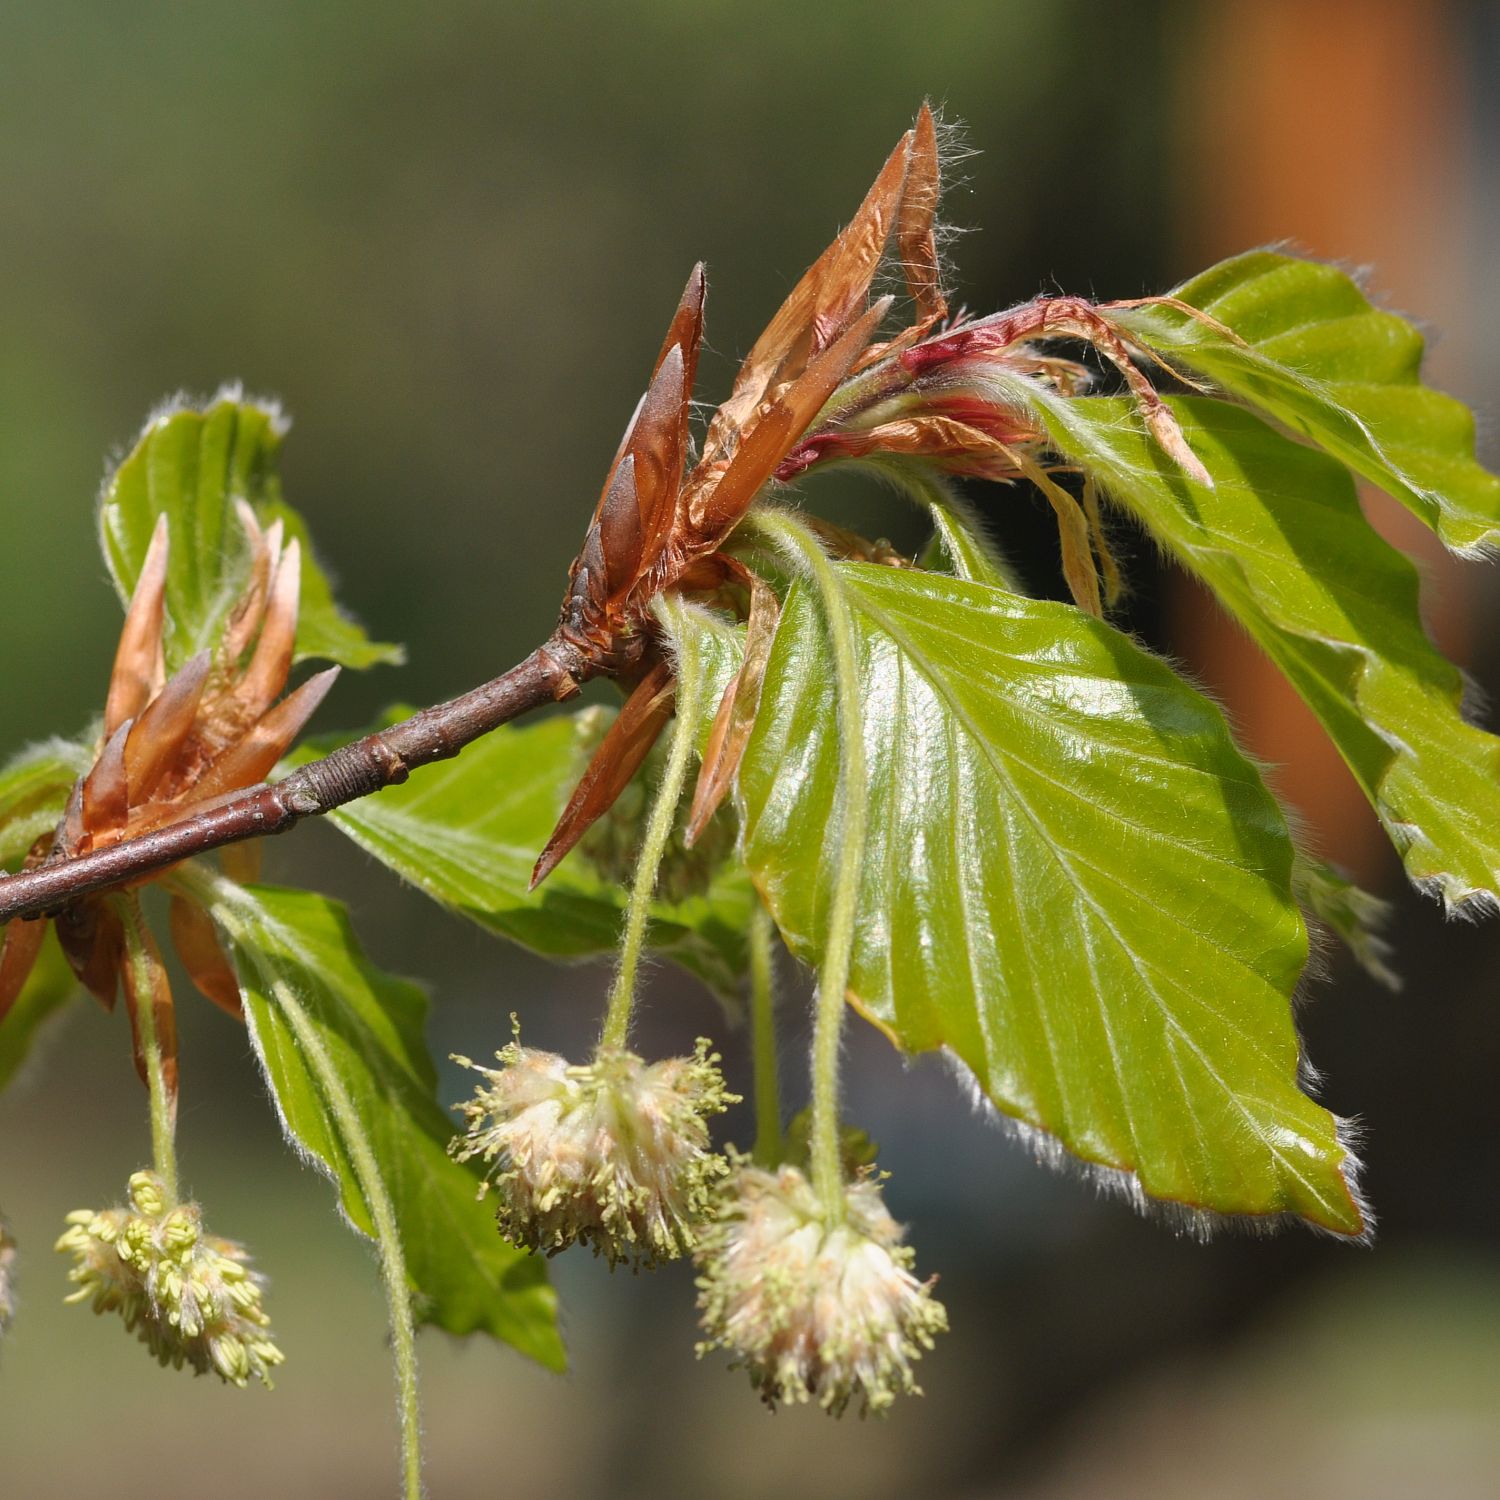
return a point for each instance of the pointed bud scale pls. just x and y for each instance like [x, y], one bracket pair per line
[159, 733]
[196, 940]
[267, 673]
[106, 797]
[132, 681]
[252, 756]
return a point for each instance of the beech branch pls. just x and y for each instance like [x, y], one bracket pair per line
[552, 673]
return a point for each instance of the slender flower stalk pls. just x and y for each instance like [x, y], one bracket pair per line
[658, 831]
[147, 979]
[768, 1132]
[803, 549]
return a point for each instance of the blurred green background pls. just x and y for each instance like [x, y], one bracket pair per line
[449, 237]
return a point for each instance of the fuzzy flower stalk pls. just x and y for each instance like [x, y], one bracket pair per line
[615, 1155]
[190, 1296]
[813, 1310]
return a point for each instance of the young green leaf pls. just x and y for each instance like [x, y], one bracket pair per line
[466, 1277]
[192, 465]
[34, 787]
[1352, 915]
[1075, 883]
[1318, 357]
[467, 831]
[1283, 543]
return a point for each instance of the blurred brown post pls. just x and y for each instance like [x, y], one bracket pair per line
[1337, 126]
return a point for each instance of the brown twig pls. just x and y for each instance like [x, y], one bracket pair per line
[550, 674]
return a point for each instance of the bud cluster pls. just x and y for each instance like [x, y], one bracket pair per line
[615, 1155]
[190, 1296]
[813, 1310]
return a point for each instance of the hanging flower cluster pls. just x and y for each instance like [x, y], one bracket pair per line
[814, 1310]
[615, 1155]
[7, 1276]
[190, 1296]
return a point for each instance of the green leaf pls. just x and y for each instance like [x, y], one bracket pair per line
[467, 1278]
[1318, 357]
[192, 465]
[467, 832]
[1283, 543]
[1352, 915]
[34, 787]
[48, 988]
[1075, 883]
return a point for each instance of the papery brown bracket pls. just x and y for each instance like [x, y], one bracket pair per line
[20, 943]
[719, 505]
[196, 940]
[916, 234]
[156, 993]
[619, 756]
[93, 942]
[817, 309]
[159, 733]
[737, 708]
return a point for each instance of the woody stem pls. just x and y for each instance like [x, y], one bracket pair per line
[550, 674]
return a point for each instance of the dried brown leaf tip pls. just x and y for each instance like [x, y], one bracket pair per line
[171, 746]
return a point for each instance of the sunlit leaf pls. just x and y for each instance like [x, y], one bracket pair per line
[1074, 883]
[1282, 542]
[1318, 357]
[467, 832]
[192, 465]
[466, 1277]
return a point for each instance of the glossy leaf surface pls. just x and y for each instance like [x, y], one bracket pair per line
[467, 832]
[465, 1277]
[1318, 357]
[192, 465]
[1283, 543]
[1075, 883]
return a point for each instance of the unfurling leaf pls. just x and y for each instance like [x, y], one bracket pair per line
[467, 1279]
[1075, 883]
[193, 466]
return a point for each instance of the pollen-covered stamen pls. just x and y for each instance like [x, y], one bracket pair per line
[190, 1296]
[615, 1155]
[813, 1311]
